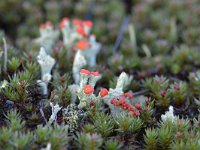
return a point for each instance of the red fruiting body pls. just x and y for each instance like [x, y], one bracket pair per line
[77, 22]
[131, 108]
[88, 89]
[81, 31]
[122, 101]
[126, 106]
[42, 26]
[65, 20]
[92, 103]
[128, 94]
[137, 113]
[88, 23]
[59, 120]
[103, 92]
[123, 105]
[122, 97]
[84, 71]
[163, 93]
[117, 104]
[61, 26]
[138, 106]
[95, 73]
[81, 45]
[63, 23]
[112, 101]
[48, 23]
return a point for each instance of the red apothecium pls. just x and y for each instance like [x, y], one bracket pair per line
[88, 89]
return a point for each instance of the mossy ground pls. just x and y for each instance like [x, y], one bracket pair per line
[160, 48]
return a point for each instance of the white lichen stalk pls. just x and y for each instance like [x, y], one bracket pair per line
[3, 84]
[48, 37]
[70, 36]
[66, 31]
[93, 80]
[48, 147]
[79, 63]
[77, 90]
[87, 98]
[169, 115]
[74, 36]
[91, 52]
[197, 77]
[46, 63]
[123, 81]
[73, 91]
[55, 109]
[88, 80]
[83, 80]
[83, 98]
[87, 29]
[113, 93]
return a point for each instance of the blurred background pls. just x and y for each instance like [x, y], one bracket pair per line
[20, 18]
[157, 23]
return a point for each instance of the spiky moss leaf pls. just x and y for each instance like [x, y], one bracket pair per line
[33, 69]
[22, 76]
[147, 116]
[150, 139]
[179, 95]
[21, 140]
[112, 145]
[196, 125]
[103, 124]
[181, 125]
[18, 87]
[15, 121]
[86, 141]
[156, 84]
[58, 137]
[42, 135]
[126, 123]
[62, 95]
[13, 64]
[165, 138]
[194, 84]
[5, 136]
[113, 83]
[59, 80]
[88, 128]
[186, 140]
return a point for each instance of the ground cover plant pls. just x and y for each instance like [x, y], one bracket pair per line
[99, 75]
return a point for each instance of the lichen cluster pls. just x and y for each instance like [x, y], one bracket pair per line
[99, 74]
